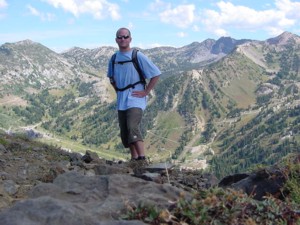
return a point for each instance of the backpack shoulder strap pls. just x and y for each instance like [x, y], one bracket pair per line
[113, 59]
[135, 62]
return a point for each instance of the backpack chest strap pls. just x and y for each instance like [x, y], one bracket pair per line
[122, 62]
[128, 86]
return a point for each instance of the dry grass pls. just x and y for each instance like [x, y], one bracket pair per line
[12, 100]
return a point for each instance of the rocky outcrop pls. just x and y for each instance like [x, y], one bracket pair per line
[41, 185]
[258, 184]
[74, 198]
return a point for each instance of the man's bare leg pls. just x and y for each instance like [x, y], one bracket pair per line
[133, 151]
[139, 147]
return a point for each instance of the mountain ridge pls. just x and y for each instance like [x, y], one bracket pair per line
[69, 95]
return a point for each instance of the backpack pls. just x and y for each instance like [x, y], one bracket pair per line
[135, 63]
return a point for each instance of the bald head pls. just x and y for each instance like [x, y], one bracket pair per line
[123, 28]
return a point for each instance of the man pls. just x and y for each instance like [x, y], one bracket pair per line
[131, 93]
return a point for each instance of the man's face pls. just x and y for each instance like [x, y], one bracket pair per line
[123, 39]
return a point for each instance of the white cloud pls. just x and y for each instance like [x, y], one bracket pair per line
[290, 9]
[41, 15]
[159, 5]
[221, 32]
[33, 11]
[231, 16]
[181, 16]
[181, 34]
[196, 28]
[130, 25]
[3, 4]
[98, 8]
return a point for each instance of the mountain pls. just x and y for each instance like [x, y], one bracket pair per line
[225, 105]
[96, 59]
[265, 129]
[168, 59]
[285, 39]
[226, 44]
[28, 67]
[33, 64]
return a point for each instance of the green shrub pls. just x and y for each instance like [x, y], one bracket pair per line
[219, 206]
[293, 182]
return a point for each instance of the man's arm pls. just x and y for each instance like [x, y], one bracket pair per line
[149, 87]
[113, 83]
[151, 84]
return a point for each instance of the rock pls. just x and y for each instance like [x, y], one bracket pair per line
[47, 210]
[231, 179]
[2, 149]
[90, 156]
[76, 159]
[74, 199]
[5, 199]
[41, 184]
[155, 177]
[10, 187]
[158, 167]
[208, 180]
[102, 169]
[258, 184]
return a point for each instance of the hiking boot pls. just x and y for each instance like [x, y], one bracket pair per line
[140, 166]
[142, 163]
[133, 163]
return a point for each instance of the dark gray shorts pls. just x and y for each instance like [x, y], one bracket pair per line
[129, 122]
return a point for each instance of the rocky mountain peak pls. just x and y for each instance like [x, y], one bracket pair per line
[25, 42]
[225, 45]
[284, 39]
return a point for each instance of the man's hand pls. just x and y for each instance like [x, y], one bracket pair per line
[139, 94]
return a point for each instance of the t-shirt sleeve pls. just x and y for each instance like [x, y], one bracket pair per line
[147, 66]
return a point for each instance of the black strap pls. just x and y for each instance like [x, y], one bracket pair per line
[128, 86]
[122, 62]
[137, 67]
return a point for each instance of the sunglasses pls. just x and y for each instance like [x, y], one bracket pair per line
[125, 37]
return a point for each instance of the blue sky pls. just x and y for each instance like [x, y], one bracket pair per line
[62, 24]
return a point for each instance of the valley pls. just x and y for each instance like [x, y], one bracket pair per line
[224, 111]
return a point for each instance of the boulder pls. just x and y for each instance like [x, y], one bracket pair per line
[74, 198]
[258, 184]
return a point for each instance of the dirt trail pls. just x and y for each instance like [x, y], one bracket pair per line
[12, 100]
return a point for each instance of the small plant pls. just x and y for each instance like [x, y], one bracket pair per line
[219, 206]
[148, 214]
[292, 184]
[3, 141]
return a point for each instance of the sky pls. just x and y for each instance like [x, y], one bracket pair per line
[63, 24]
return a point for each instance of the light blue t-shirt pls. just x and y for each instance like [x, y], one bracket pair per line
[125, 74]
